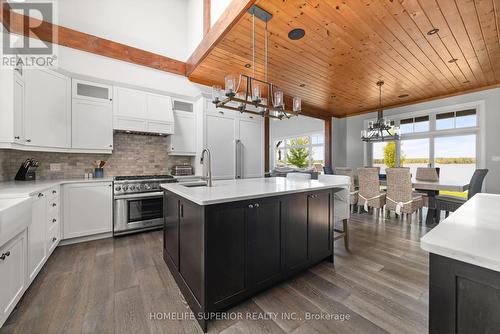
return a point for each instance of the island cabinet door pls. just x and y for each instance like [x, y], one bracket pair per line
[263, 242]
[192, 247]
[294, 231]
[171, 228]
[319, 218]
[226, 245]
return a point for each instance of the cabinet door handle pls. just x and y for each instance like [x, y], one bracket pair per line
[16, 137]
[182, 211]
[54, 239]
[221, 112]
[28, 140]
[54, 220]
[40, 195]
[256, 205]
[54, 205]
[54, 192]
[2, 257]
[250, 206]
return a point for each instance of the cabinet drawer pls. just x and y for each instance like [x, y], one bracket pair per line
[53, 237]
[53, 206]
[221, 112]
[52, 193]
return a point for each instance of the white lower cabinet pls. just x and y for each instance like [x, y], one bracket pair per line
[37, 231]
[12, 274]
[88, 209]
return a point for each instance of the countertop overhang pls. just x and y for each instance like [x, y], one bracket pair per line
[471, 234]
[224, 191]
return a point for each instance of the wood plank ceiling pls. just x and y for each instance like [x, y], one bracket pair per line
[350, 45]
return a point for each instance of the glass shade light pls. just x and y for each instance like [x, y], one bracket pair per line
[278, 99]
[256, 97]
[297, 104]
[230, 85]
[216, 93]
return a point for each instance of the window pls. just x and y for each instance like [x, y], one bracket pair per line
[415, 153]
[417, 124]
[301, 152]
[455, 156]
[448, 140]
[458, 119]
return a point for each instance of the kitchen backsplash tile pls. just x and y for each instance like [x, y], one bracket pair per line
[132, 155]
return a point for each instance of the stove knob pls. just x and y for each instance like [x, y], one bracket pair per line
[125, 187]
[132, 187]
[118, 188]
[147, 187]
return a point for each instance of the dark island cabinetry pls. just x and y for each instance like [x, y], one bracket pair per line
[463, 298]
[224, 253]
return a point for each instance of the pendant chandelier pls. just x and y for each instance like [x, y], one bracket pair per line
[245, 93]
[381, 130]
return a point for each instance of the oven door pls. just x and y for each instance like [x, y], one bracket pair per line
[137, 211]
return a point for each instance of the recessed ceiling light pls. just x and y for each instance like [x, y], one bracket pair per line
[433, 31]
[248, 65]
[296, 34]
[403, 96]
[302, 85]
[453, 60]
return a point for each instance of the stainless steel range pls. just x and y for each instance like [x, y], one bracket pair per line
[138, 203]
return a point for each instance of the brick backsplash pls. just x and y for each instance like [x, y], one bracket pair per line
[132, 155]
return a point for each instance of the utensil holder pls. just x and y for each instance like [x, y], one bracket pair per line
[99, 173]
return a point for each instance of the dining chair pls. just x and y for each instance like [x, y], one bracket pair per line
[400, 197]
[430, 174]
[341, 211]
[328, 170]
[298, 176]
[369, 194]
[353, 193]
[449, 203]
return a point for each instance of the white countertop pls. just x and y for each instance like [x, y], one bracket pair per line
[236, 190]
[471, 234]
[16, 189]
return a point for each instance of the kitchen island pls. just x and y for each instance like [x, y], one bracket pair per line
[464, 281]
[227, 242]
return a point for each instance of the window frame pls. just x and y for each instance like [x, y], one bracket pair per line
[478, 130]
[309, 146]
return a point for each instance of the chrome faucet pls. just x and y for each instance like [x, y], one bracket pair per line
[209, 179]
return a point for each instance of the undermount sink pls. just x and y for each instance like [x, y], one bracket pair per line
[15, 216]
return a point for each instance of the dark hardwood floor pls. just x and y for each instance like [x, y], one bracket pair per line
[122, 285]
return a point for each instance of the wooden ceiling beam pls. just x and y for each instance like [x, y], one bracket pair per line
[48, 32]
[207, 19]
[232, 14]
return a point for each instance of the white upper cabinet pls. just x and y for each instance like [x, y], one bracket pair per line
[91, 91]
[92, 117]
[183, 142]
[92, 125]
[47, 114]
[140, 111]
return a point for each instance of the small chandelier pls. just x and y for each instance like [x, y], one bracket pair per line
[245, 93]
[381, 130]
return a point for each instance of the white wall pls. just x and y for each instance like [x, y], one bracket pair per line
[195, 27]
[355, 147]
[158, 26]
[217, 7]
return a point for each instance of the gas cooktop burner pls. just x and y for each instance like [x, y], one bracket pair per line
[142, 177]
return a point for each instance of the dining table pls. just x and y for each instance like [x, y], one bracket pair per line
[431, 189]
